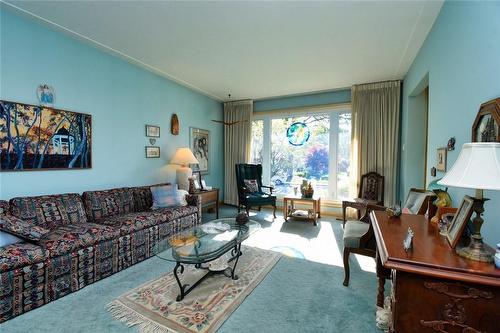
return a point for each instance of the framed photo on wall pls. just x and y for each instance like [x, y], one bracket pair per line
[460, 220]
[441, 159]
[152, 152]
[199, 141]
[152, 131]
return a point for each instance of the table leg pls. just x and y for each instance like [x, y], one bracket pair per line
[285, 213]
[319, 208]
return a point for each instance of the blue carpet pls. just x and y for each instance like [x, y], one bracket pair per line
[296, 296]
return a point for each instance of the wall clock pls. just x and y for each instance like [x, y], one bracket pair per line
[486, 127]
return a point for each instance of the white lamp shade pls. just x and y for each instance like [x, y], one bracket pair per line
[477, 167]
[184, 156]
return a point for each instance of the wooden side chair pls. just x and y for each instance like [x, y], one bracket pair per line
[371, 191]
[359, 238]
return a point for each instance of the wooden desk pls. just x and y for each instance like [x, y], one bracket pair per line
[210, 199]
[434, 289]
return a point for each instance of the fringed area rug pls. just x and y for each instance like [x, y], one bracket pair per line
[152, 307]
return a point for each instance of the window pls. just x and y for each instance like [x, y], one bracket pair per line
[323, 160]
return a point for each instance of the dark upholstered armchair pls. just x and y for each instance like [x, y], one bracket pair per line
[253, 199]
[371, 191]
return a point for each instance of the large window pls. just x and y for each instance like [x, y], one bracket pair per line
[322, 160]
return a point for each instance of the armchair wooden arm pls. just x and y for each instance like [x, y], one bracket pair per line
[359, 206]
[271, 188]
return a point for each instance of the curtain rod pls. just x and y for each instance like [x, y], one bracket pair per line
[375, 82]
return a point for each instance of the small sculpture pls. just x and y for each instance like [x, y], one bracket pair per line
[242, 218]
[393, 211]
[307, 190]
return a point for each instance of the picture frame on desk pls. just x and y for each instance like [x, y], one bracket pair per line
[460, 220]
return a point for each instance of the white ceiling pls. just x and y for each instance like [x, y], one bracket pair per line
[253, 49]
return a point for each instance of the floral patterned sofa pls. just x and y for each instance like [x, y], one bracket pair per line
[78, 240]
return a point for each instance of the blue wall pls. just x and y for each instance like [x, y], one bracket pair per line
[121, 97]
[330, 97]
[461, 56]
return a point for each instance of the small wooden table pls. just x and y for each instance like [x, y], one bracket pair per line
[210, 199]
[311, 214]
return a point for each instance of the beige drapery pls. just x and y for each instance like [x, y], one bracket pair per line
[237, 139]
[375, 134]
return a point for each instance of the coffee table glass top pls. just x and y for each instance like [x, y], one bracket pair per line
[204, 242]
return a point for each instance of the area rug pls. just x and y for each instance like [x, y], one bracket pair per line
[152, 307]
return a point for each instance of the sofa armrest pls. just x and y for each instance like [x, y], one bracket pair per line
[195, 200]
[22, 229]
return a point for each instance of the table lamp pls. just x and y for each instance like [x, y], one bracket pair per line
[183, 157]
[477, 167]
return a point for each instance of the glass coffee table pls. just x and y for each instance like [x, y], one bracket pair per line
[210, 246]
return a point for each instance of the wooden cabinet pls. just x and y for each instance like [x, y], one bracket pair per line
[434, 289]
[210, 199]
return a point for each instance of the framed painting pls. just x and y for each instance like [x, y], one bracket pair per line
[460, 220]
[441, 159]
[34, 137]
[152, 131]
[200, 142]
[152, 152]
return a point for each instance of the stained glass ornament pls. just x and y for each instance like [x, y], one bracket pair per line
[298, 133]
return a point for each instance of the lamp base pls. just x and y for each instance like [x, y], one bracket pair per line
[183, 173]
[476, 251]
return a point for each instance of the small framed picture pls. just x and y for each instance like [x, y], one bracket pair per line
[441, 159]
[460, 220]
[152, 152]
[203, 184]
[196, 181]
[152, 131]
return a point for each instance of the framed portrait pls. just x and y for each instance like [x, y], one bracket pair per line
[460, 220]
[152, 131]
[441, 159]
[200, 142]
[34, 138]
[152, 152]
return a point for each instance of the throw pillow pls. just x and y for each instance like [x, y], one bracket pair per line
[22, 229]
[165, 196]
[8, 239]
[182, 197]
[251, 185]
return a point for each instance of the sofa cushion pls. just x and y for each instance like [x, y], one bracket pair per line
[143, 197]
[72, 237]
[20, 255]
[103, 204]
[174, 213]
[21, 228]
[128, 223]
[49, 211]
[353, 231]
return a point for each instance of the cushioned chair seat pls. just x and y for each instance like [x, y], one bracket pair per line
[20, 255]
[259, 197]
[353, 232]
[72, 237]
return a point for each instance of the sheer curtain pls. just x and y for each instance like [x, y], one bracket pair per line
[237, 139]
[375, 134]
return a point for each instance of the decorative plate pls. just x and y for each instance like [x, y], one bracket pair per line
[298, 133]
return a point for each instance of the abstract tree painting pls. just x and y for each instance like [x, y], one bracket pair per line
[37, 138]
